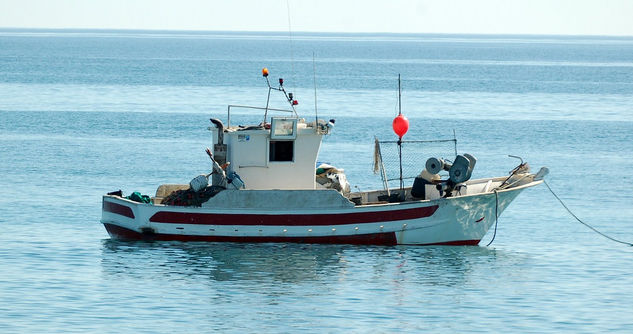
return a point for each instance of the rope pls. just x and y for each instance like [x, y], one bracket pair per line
[580, 221]
[496, 217]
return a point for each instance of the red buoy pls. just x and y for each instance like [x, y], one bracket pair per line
[400, 125]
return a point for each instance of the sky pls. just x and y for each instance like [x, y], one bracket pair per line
[559, 17]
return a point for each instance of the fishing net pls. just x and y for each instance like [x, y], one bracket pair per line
[414, 156]
[188, 197]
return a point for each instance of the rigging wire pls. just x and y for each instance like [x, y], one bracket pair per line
[580, 221]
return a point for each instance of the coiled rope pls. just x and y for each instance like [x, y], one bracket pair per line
[580, 221]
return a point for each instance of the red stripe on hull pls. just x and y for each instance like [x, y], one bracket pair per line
[118, 209]
[118, 232]
[363, 239]
[291, 219]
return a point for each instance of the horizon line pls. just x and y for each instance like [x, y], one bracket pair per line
[307, 32]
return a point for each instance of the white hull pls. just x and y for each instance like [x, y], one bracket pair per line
[460, 220]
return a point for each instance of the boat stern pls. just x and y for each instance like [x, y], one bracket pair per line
[122, 218]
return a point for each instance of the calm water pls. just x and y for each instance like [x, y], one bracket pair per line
[86, 112]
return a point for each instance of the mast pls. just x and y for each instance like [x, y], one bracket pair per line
[316, 114]
[399, 97]
[400, 138]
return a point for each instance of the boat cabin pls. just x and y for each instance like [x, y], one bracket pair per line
[280, 155]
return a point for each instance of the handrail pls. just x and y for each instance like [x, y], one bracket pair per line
[249, 107]
[418, 141]
[454, 140]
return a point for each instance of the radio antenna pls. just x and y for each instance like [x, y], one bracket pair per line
[292, 57]
[316, 114]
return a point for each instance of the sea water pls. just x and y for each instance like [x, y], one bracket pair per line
[88, 112]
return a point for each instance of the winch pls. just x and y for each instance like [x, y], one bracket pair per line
[459, 171]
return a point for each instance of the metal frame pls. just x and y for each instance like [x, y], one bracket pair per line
[249, 107]
[383, 173]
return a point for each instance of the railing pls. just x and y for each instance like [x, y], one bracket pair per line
[249, 107]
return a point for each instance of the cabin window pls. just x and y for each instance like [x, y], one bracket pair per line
[281, 150]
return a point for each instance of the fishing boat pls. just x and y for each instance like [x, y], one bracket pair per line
[266, 186]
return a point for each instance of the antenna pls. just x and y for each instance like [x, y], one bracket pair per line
[399, 97]
[289, 96]
[292, 58]
[316, 114]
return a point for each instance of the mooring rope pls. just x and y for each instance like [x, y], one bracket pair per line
[496, 217]
[580, 221]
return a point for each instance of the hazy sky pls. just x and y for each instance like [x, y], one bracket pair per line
[579, 17]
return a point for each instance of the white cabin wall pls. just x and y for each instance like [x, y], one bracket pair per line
[247, 149]
[249, 159]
